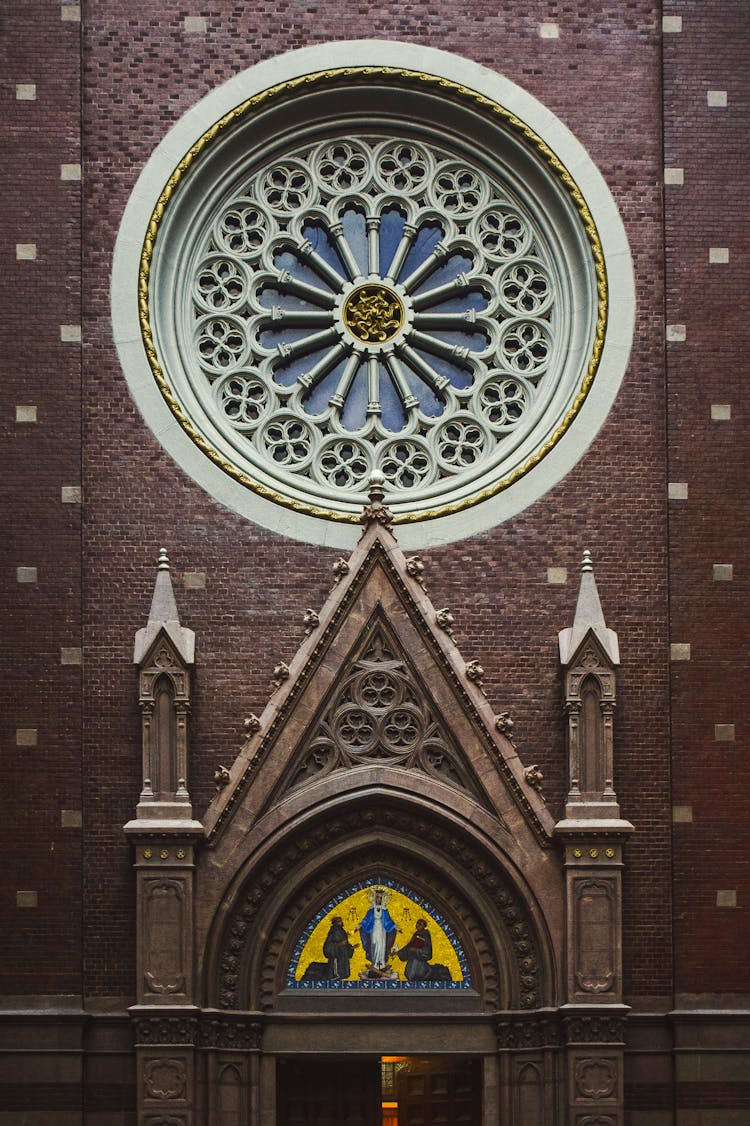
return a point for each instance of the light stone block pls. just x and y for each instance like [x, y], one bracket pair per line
[718, 255]
[724, 732]
[26, 413]
[27, 736]
[70, 334]
[26, 251]
[26, 899]
[679, 651]
[194, 580]
[71, 818]
[674, 176]
[71, 656]
[721, 412]
[25, 91]
[726, 898]
[195, 25]
[671, 25]
[71, 13]
[70, 494]
[676, 334]
[682, 814]
[723, 572]
[549, 31]
[557, 576]
[26, 574]
[717, 99]
[677, 490]
[70, 171]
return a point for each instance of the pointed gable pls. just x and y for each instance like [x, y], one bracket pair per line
[379, 693]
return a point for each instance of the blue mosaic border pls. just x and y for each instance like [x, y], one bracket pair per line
[424, 986]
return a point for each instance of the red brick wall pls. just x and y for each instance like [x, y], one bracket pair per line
[142, 72]
[602, 77]
[42, 944]
[712, 526]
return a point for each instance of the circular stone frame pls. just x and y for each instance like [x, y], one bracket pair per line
[489, 97]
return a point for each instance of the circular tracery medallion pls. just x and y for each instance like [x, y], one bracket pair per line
[420, 290]
[373, 313]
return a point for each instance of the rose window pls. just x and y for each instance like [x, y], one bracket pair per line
[415, 287]
[371, 304]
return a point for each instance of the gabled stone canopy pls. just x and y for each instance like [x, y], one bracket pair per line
[379, 622]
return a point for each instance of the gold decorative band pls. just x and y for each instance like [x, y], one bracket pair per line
[414, 79]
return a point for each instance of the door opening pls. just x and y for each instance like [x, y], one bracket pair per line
[385, 1091]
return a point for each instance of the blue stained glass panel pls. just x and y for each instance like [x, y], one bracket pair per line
[317, 400]
[460, 377]
[288, 371]
[429, 403]
[447, 272]
[355, 233]
[428, 236]
[465, 299]
[286, 260]
[391, 230]
[273, 335]
[475, 341]
[354, 414]
[392, 417]
[323, 245]
[270, 296]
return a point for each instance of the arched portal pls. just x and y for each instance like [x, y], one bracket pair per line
[467, 887]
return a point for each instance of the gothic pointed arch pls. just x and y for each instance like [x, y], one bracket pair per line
[385, 837]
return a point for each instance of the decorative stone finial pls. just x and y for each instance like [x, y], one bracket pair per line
[163, 560]
[341, 568]
[586, 564]
[311, 620]
[534, 777]
[221, 778]
[504, 724]
[280, 674]
[475, 673]
[376, 511]
[415, 568]
[445, 619]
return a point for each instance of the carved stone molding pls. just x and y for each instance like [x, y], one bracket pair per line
[511, 915]
[531, 1032]
[595, 907]
[222, 1033]
[165, 1079]
[595, 1029]
[201, 1031]
[164, 937]
[596, 1078]
[166, 1030]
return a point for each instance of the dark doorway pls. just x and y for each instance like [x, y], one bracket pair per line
[390, 1091]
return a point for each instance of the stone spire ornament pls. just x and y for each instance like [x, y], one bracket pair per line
[376, 511]
[164, 652]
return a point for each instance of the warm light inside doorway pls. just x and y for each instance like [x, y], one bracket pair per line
[389, 1068]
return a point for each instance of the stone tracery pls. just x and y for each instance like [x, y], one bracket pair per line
[371, 303]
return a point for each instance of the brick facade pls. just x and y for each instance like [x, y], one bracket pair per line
[107, 89]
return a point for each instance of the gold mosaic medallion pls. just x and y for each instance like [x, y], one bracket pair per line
[373, 313]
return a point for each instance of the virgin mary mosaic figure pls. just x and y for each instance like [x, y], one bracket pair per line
[378, 930]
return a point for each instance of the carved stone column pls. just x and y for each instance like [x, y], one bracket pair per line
[165, 836]
[592, 834]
